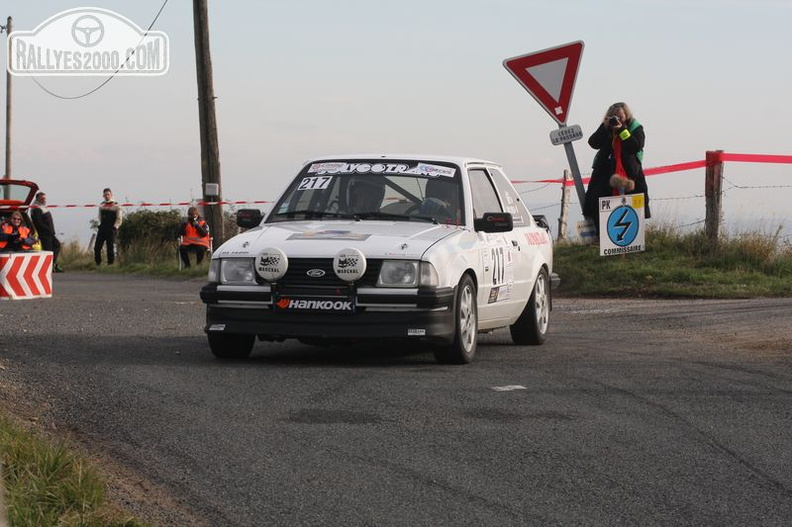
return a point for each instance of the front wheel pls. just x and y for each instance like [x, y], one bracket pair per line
[462, 350]
[225, 346]
[531, 327]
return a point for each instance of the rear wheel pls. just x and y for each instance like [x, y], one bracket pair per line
[531, 327]
[225, 346]
[463, 349]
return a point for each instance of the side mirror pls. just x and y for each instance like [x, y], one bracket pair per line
[541, 221]
[494, 222]
[248, 218]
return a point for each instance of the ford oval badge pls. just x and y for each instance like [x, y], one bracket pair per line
[315, 273]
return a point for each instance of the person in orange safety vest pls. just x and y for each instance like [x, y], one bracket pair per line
[194, 234]
[14, 236]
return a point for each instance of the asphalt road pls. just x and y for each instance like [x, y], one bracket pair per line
[634, 412]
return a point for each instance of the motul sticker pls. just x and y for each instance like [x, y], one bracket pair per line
[537, 238]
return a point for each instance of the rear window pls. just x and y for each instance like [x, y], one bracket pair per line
[15, 193]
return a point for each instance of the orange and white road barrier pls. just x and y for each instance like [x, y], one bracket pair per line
[25, 275]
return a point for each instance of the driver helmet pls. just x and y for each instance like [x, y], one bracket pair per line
[364, 194]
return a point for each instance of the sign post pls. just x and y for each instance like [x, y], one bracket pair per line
[549, 76]
[577, 178]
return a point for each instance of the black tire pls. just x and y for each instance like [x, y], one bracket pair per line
[463, 349]
[225, 346]
[531, 327]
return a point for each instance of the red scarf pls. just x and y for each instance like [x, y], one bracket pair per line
[617, 147]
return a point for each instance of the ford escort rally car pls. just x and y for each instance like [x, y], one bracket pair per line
[428, 248]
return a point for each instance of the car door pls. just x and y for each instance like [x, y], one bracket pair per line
[523, 252]
[496, 254]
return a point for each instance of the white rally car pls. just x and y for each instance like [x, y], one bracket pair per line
[426, 248]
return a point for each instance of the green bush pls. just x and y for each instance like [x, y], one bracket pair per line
[157, 229]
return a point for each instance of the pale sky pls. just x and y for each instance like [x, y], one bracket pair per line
[301, 79]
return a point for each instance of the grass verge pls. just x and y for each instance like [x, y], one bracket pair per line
[745, 265]
[47, 484]
[148, 259]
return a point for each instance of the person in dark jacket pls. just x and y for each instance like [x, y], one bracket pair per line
[617, 169]
[193, 237]
[110, 218]
[42, 220]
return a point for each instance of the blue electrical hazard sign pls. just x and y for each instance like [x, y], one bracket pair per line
[622, 224]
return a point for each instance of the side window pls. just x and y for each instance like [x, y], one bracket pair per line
[485, 199]
[511, 200]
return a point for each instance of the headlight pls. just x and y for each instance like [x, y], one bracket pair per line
[406, 273]
[237, 271]
[214, 271]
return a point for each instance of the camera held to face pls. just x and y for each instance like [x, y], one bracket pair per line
[614, 121]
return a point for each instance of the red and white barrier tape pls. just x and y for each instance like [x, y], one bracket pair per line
[653, 171]
[691, 165]
[146, 204]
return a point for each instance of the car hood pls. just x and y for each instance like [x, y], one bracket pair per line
[323, 239]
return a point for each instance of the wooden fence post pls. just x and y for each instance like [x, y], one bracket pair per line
[713, 184]
[562, 219]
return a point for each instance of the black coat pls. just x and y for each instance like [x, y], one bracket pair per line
[43, 223]
[605, 166]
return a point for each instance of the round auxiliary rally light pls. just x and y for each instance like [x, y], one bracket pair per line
[271, 264]
[349, 264]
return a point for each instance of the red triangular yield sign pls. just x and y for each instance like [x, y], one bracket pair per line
[549, 76]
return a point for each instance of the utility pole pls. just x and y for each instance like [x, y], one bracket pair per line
[7, 174]
[210, 151]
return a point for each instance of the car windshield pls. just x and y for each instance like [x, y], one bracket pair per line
[373, 190]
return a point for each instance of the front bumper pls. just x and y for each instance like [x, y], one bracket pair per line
[417, 314]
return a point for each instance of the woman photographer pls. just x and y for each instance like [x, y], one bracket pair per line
[617, 167]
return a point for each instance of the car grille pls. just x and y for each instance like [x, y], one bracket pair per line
[297, 274]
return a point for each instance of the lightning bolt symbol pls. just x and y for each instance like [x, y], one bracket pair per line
[623, 225]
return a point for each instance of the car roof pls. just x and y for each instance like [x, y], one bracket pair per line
[16, 192]
[458, 160]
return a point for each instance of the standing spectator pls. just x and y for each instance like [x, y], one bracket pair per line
[194, 234]
[14, 236]
[42, 220]
[110, 217]
[619, 141]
